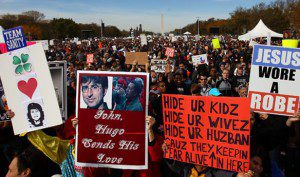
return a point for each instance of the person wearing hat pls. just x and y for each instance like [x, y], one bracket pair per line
[214, 92]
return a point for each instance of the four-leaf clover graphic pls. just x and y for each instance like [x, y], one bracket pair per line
[22, 64]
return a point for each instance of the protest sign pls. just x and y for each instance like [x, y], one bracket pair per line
[208, 131]
[89, 58]
[44, 43]
[274, 77]
[3, 104]
[170, 52]
[173, 39]
[216, 43]
[143, 39]
[14, 38]
[29, 89]
[111, 128]
[292, 43]
[114, 47]
[185, 38]
[51, 42]
[199, 59]
[100, 45]
[140, 57]
[197, 38]
[58, 71]
[159, 65]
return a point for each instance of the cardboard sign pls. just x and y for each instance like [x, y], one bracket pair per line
[292, 43]
[140, 57]
[199, 59]
[216, 43]
[14, 38]
[143, 39]
[111, 129]
[44, 43]
[29, 89]
[208, 131]
[58, 71]
[274, 79]
[3, 104]
[89, 58]
[170, 52]
[159, 66]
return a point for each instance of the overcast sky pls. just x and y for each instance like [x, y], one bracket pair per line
[130, 13]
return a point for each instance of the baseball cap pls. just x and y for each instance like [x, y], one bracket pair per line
[214, 92]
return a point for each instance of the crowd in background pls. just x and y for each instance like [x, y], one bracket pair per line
[275, 140]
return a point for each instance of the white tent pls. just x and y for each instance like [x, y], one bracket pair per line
[260, 30]
[1, 35]
[187, 33]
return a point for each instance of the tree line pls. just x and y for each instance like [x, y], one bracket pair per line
[279, 16]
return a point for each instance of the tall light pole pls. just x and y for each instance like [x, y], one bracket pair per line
[198, 24]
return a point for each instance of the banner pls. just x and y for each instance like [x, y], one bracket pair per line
[170, 52]
[111, 109]
[14, 38]
[274, 79]
[58, 71]
[208, 131]
[292, 43]
[29, 89]
[216, 43]
[199, 59]
[89, 58]
[159, 66]
[143, 39]
[3, 104]
[140, 57]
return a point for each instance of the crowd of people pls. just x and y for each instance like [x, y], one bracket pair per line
[275, 140]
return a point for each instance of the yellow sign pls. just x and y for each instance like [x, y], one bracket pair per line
[292, 43]
[216, 43]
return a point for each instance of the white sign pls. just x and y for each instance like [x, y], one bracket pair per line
[143, 39]
[199, 59]
[275, 80]
[44, 43]
[159, 66]
[29, 89]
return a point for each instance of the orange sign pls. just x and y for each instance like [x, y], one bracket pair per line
[208, 131]
[170, 52]
[89, 58]
[100, 45]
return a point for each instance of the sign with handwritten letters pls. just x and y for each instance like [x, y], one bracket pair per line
[29, 89]
[170, 52]
[274, 80]
[208, 131]
[159, 65]
[199, 59]
[111, 109]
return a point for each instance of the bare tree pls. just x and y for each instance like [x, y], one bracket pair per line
[37, 16]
